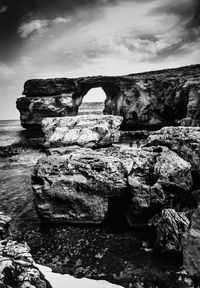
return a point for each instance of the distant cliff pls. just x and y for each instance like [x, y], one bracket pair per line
[146, 101]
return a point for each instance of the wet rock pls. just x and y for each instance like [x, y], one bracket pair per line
[170, 226]
[4, 225]
[180, 279]
[185, 141]
[77, 187]
[28, 158]
[158, 178]
[191, 246]
[87, 131]
[17, 266]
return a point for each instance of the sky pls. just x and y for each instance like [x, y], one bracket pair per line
[65, 38]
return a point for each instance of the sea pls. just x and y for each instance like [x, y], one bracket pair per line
[10, 132]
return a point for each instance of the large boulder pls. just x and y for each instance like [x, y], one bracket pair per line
[77, 187]
[159, 178]
[185, 141]
[170, 226]
[191, 246]
[87, 130]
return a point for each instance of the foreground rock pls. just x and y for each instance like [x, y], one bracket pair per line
[170, 226]
[4, 224]
[77, 187]
[88, 131]
[191, 246]
[146, 101]
[185, 141]
[159, 178]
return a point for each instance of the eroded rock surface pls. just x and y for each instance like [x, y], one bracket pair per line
[146, 100]
[158, 178]
[191, 246]
[86, 131]
[170, 226]
[77, 187]
[185, 141]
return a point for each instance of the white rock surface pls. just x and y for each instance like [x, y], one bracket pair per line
[57, 280]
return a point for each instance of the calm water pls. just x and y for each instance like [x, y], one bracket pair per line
[10, 131]
[97, 252]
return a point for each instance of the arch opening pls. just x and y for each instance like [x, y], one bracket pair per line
[93, 102]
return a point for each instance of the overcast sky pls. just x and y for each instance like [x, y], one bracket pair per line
[65, 38]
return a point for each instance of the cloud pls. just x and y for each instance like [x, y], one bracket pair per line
[3, 9]
[39, 26]
[59, 20]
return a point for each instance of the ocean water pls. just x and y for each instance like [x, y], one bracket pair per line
[10, 132]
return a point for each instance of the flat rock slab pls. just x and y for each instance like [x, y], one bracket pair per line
[86, 131]
[77, 187]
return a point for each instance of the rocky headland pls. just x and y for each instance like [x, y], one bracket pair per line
[134, 169]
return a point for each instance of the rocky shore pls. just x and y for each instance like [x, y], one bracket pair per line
[106, 202]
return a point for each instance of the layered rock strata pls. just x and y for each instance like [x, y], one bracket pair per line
[86, 131]
[146, 100]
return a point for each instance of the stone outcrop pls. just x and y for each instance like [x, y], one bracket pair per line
[78, 186]
[191, 246]
[86, 131]
[158, 178]
[4, 224]
[170, 226]
[185, 141]
[146, 100]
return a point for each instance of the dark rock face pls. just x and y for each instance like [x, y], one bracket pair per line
[77, 187]
[147, 100]
[86, 131]
[185, 141]
[191, 246]
[158, 178]
[170, 226]
[4, 225]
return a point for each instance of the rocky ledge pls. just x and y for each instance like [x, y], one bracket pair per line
[145, 101]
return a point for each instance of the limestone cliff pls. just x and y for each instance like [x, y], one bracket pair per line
[146, 100]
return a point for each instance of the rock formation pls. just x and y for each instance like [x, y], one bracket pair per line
[145, 100]
[86, 131]
[185, 141]
[191, 246]
[170, 226]
[158, 178]
[78, 186]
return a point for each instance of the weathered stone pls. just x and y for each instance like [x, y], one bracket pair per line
[170, 226]
[17, 266]
[185, 141]
[77, 187]
[158, 178]
[146, 100]
[180, 279]
[87, 130]
[4, 225]
[33, 110]
[191, 246]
